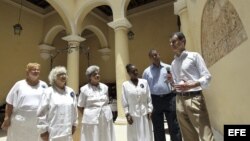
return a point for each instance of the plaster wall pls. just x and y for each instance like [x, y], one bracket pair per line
[17, 51]
[227, 97]
[152, 31]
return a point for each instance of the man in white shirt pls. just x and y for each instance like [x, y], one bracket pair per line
[190, 75]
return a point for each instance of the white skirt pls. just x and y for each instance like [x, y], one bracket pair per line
[23, 126]
[140, 130]
[104, 131]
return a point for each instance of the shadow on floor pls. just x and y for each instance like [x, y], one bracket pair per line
[3, 133]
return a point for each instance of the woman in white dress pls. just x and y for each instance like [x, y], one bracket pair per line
[137, 105]
[22, 103]
[97, 120]
[57, 112]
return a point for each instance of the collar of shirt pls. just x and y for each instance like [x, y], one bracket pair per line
[154, 66]
[98, 87]
[183, 55]
[61, 91]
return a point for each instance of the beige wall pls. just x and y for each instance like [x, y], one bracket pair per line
[17, 51]
[107, 69]
[51, 21]
[90, 19]
[152, 31]
[61, 58]
[228, 95]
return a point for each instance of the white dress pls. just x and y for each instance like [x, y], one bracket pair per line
[97, 120]
[57, 113]
[136, 101]
[25, 100]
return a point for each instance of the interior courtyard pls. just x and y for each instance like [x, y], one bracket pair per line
[113, 33]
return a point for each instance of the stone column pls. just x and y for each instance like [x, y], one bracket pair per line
[121, 60]
[46, 52]
[73, 72]
[73, 61]
[180, 8]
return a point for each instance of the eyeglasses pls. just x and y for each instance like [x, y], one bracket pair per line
[94, 74]
[61, 74]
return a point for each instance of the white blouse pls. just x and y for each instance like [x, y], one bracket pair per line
[136, 100]
[25, 97]
[57, 112]
[94, 100]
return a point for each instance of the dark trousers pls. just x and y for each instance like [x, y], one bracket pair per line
[165, 106]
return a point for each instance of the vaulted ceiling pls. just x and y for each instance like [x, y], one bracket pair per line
[133, 4]
[43, 7]
[40, 3]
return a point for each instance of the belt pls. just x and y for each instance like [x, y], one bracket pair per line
[162, 95]
[190, 94]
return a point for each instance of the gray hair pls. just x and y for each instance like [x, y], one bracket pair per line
[91, 69]
[54, 72]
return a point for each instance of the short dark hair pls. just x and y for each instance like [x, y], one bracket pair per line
[151, 51]
[128, 67]
[180, 36]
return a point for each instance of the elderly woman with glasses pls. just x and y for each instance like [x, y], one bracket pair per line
[97, 120]
[57, 112]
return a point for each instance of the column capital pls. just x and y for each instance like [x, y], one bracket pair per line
[180, 6]
[73, 42]
[45, 50]
[105, 53]
[46, 46]
[73, 38]
[122, 22]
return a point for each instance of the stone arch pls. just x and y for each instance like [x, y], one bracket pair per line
[221, 30]
[64, 14]
[98, 33]
[51, 34]
[125, 4]
[118, 8]
[86, 7]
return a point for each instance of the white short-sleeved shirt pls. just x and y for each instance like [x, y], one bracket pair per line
[94, 100]
[25, 97]
[25, 100]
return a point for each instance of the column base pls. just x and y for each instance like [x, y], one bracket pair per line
[121, 121]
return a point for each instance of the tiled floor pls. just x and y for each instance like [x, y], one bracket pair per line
[120, 130]
[121, 134]
[2, 135]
